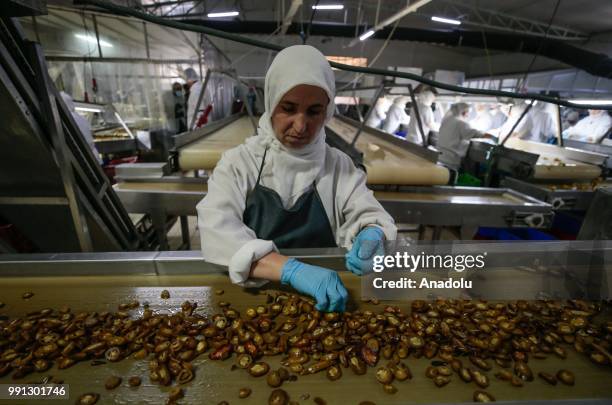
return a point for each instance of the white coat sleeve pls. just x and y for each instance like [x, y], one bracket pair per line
[429, 119]
[357, 205]
[226, 240]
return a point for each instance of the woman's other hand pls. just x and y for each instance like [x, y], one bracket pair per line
[368, 243]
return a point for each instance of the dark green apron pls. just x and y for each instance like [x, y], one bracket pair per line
[305, 225]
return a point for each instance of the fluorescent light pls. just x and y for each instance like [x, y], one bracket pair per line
[87, 109]
[92, 39]
[225, 14]
[593, 102]
[366, 35]
[328, 7]
[446, 20]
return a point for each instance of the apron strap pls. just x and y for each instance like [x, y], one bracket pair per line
[261, 166]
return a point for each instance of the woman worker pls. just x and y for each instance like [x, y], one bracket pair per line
[285, 188]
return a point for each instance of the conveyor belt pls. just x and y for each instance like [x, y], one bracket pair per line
[205, 153]
[389, 164]
[436, 205]
[556, 163]
[130, 279]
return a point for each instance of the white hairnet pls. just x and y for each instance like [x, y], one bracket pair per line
[293, 66]
[427, 97]
[190, 74]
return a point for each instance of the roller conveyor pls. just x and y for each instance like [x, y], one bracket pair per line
[575, 197]
[555, 163]
[206, 152]
[534, 161]
[432, 206]
[99, 282]
[419, 203]
[387, 162]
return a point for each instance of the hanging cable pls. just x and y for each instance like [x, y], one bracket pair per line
[116, 9]
[535, 56]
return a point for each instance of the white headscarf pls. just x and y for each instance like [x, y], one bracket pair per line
[291, 171]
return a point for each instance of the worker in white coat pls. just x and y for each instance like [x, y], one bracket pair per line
[455, 134]
[83, 125]
[483, 119]
[195, 89]
[376, 119]
[522, 129]
[498, 116]
[590, 129]
[428, 122]
[285, 188]
[543, 122]
[396, 115]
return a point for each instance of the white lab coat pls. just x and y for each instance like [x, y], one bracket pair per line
[454, 140]
[590, 129]
[396, 116]
[348, 203]
[194, 94]
[483, 121]
[378, 116]
[523, 128]
[427, 120]
[543, 122]
[498, 118]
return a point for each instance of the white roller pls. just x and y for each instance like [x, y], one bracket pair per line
[388, 164]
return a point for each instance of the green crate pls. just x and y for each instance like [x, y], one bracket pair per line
[467, 180]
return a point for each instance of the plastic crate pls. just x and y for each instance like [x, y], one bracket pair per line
[467, 180]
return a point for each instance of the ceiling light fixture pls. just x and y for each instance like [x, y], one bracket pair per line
[224, 14]
[328, 7]
[411, 8]
[93, 40]
[592, 101]
[367, 35]
[445, 20]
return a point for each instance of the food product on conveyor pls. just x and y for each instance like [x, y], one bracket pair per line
[586, 186]
[464, 340]
[387, 163]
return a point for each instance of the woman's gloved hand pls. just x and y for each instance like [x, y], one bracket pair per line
[369, 242]
[322, 284]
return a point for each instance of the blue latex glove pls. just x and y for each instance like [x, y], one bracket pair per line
[368, 243]
[322, 284]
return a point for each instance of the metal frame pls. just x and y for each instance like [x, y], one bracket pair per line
[560, 200]
[184, 139]
[379, 92]
[531, 213]
[417, 115]
[56, 132]
[90, 198]
[486, 18]
[592, 147]
[413, 148]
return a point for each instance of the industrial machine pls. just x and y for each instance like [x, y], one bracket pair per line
[405, 179]
[51, 176]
